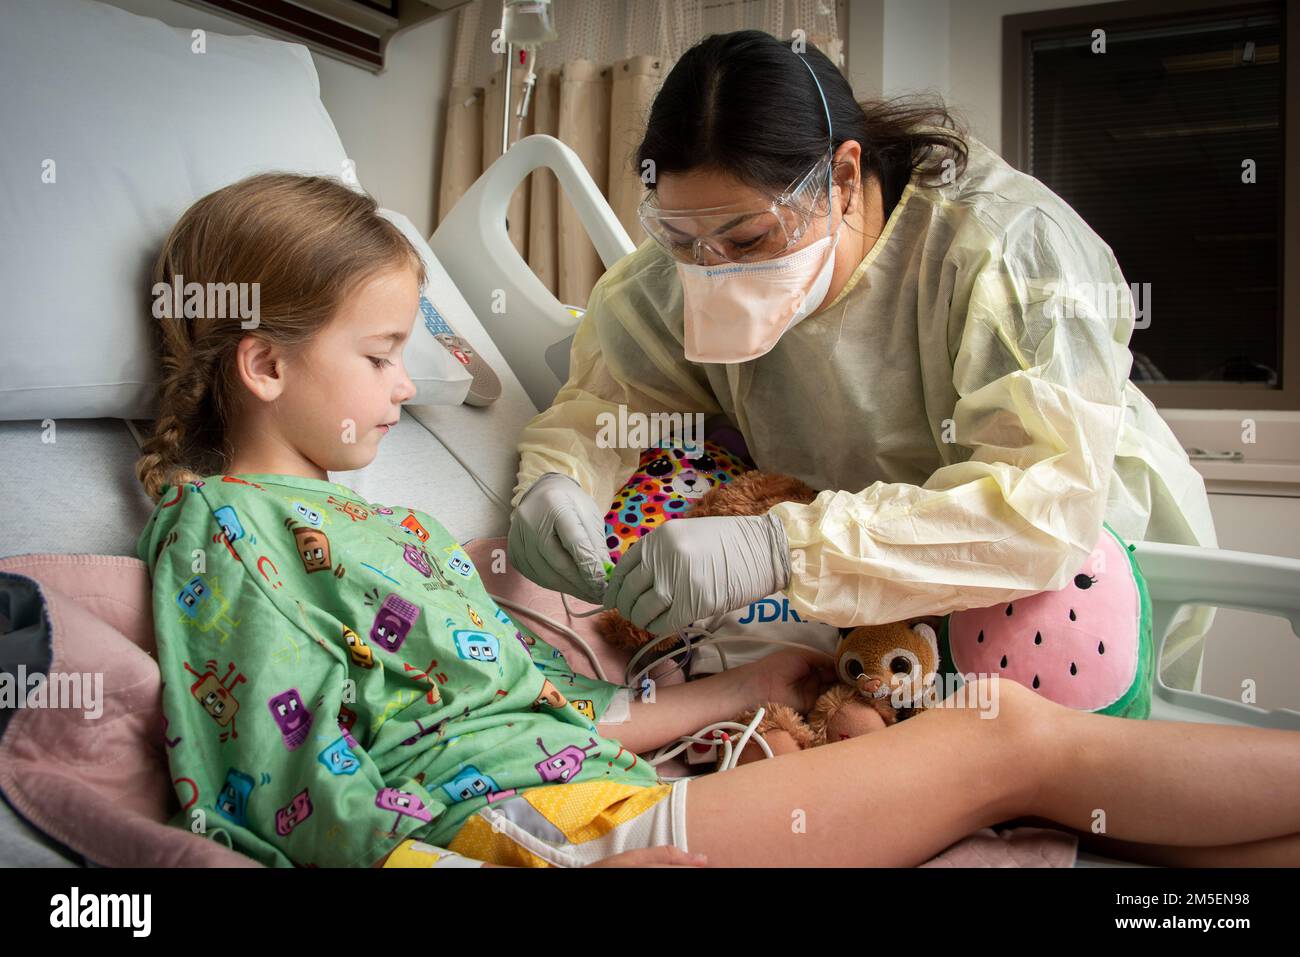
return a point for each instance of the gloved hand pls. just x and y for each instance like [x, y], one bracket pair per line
[557, 538]
[693, 568]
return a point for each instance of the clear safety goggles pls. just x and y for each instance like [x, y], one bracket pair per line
[739, 233]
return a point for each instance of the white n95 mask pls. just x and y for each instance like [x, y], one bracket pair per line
[734, 312]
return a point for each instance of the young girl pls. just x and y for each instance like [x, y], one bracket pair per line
[341, 690]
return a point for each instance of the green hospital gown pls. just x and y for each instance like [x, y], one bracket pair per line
[336, 677]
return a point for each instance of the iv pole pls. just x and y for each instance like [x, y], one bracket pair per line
[530, 23]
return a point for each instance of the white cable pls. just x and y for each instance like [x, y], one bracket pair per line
[730, 753]
[750, 731]
[577, 614]
[728, 761]
[703, 736]
[481, 483]
[643, 676]
[135, 433]
[562, 629]
[684, 635]
[628, 674]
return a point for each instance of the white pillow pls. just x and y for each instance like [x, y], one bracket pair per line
[132, 126]
[441, 380]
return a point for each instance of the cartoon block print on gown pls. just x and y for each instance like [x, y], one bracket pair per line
[337, 679]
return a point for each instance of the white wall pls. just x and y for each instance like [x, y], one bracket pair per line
[391, 124]
[915, 47]
[950, 47]
[975, 58]
[864, 47]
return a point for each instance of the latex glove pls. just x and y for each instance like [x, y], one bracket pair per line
[557, 538]
[693, 568]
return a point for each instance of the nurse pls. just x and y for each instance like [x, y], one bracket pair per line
[887, 311]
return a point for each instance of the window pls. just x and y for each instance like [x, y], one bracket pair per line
[1165, 127]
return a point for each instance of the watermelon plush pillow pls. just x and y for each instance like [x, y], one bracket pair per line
[1087, 646]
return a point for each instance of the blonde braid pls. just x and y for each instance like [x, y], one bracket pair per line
[165, 458]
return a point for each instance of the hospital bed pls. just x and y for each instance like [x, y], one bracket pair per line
[79, 494]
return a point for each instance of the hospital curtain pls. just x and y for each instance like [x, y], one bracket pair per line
[594, 88]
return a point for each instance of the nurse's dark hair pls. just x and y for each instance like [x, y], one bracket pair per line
[743, 103]
[308, 242]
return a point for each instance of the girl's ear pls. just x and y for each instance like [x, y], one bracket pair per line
[260, 368]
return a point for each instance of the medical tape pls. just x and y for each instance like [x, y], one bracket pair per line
[620, 708]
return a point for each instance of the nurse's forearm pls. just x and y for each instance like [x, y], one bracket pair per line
[683, 709]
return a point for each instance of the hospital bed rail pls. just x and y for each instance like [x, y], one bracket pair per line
[1178, 575]
[535, 329]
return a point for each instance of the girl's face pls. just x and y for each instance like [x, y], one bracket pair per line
[346, 388]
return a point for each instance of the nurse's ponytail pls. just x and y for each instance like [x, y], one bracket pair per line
[915, 133]
[743, 103]
[303, 243]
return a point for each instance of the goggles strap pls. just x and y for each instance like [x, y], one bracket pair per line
[829, 136]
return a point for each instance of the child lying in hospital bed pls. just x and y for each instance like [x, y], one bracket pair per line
[340, 689]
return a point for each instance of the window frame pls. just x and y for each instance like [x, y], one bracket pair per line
[1019, 30]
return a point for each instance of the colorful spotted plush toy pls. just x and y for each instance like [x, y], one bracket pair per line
[1087, 646]
[667, 483]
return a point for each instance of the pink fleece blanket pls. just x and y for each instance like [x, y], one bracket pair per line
[100, 785]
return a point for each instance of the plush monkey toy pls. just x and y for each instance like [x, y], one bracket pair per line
[885, 673]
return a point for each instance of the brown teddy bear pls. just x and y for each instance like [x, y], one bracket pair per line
[873, 661]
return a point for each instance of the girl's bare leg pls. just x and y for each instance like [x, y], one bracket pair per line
[892, 798]
[1180, 842]
[1270, 852]
[898, 797]
[1190, 784]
